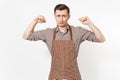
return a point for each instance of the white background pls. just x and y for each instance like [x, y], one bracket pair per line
[26, 60]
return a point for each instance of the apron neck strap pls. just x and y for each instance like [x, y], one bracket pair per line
[54, 34]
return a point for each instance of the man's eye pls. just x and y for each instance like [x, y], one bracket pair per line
[58, 15]
[63, 16]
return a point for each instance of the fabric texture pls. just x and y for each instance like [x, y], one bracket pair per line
[64, 60]
[64, 49]
[79, 35]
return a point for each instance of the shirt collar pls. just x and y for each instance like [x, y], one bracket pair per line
[67, 28]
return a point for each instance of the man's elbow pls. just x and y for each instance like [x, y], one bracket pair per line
[102, 39]
[24, 37]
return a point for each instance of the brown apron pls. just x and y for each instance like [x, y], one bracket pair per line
[64, 60]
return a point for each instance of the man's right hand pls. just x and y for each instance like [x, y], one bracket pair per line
[40, 19]
[30, 29]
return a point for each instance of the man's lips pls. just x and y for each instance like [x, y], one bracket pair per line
[61, 22]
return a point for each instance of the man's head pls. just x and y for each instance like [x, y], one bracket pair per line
[62, 14]
[61, 7]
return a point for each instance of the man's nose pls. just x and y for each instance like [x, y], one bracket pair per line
[61, 18]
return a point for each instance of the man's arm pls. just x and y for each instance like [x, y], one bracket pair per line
[85, 20]
[30, 29]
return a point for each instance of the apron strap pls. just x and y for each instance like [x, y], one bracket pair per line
[54, 34]
[70, 33]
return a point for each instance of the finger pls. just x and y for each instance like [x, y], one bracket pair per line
[42, 18]
[41, 21]
[83, 19]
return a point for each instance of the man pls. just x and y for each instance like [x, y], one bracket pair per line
[63, 42]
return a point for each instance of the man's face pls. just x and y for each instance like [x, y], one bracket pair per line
[61, 17]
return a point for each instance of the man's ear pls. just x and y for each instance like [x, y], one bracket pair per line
[54, 15]
[69, 16]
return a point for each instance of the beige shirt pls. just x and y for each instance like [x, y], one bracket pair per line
[79, 35]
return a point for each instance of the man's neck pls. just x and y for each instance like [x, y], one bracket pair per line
[63, 28]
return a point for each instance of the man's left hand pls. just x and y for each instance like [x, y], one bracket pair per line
[85, 20]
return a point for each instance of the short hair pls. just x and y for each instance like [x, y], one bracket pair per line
[61, 7]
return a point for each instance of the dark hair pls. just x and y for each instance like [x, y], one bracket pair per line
[62, 7]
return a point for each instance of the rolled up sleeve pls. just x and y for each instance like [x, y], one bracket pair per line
[37, 35]
[88, 35]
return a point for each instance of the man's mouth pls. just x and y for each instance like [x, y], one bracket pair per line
[61, 22]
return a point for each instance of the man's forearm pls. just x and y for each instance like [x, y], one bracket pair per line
[29, 30]
[97, 32]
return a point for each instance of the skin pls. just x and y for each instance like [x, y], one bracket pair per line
[62, 17]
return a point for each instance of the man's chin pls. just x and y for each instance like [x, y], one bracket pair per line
[61, 25]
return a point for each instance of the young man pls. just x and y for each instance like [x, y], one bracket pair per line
[63, 42]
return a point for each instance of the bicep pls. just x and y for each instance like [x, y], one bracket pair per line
[90, 36]
[37, 35]
[87, 35]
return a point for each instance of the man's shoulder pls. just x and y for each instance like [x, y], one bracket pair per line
[47, 30]
[78, 30]
[76, 27]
